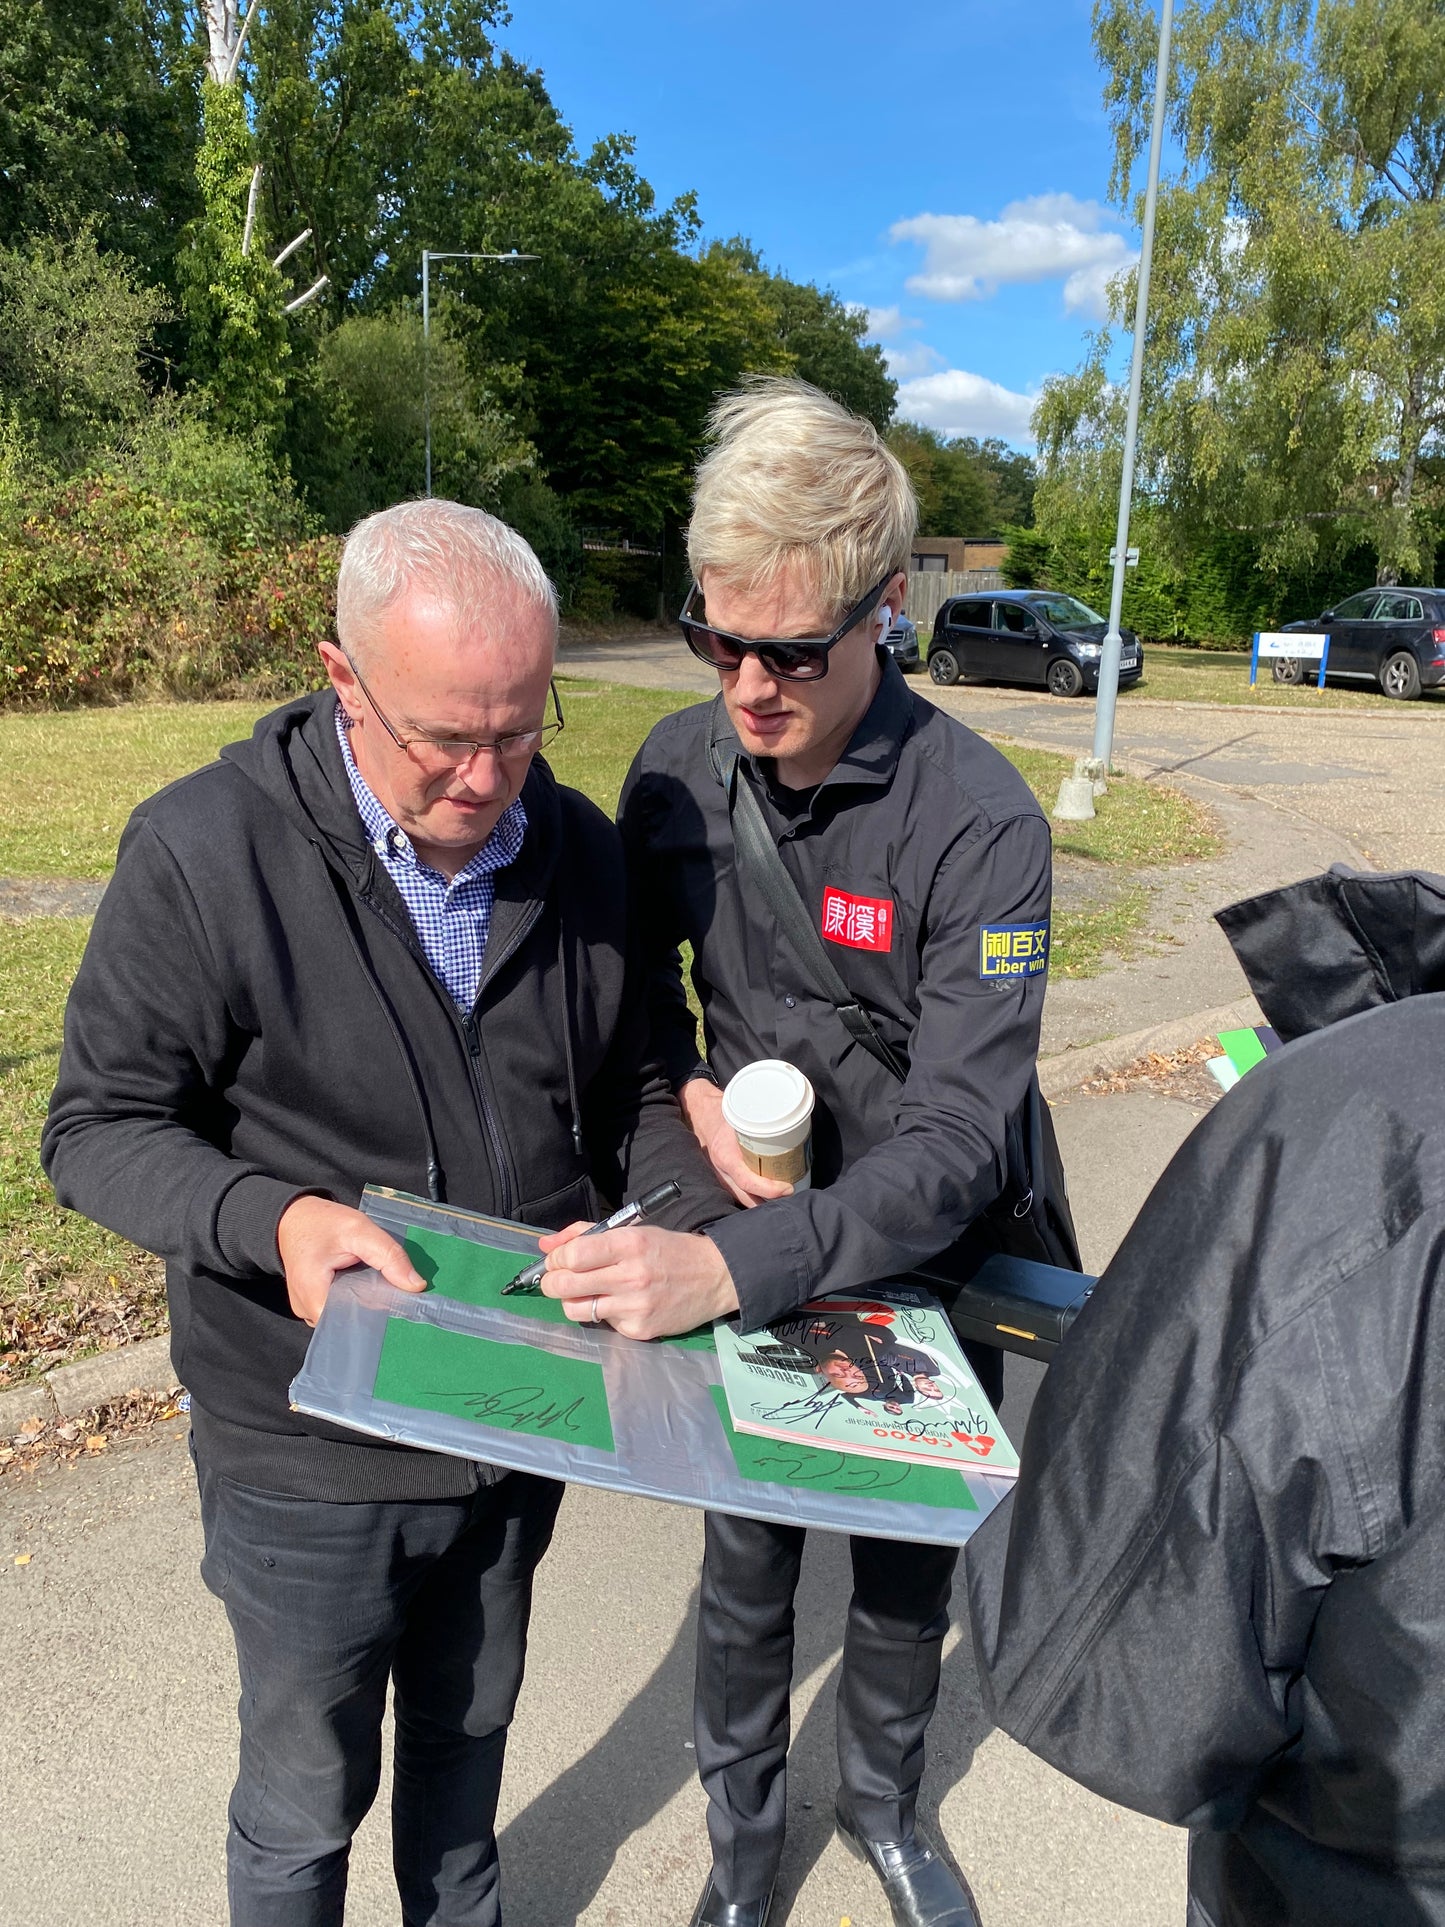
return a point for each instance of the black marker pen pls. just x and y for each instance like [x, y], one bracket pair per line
[643, 1207]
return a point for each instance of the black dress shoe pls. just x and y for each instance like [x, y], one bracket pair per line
[922, 1890]
[713, 1911]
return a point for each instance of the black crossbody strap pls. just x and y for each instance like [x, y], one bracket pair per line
[758, 856]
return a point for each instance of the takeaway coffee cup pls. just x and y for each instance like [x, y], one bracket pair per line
[770, 1106]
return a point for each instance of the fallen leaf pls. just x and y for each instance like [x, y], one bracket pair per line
[30, 1428]
[23, 1558]
[97, 1442]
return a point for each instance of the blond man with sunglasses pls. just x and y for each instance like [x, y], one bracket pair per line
[923, 864]
[376, 944]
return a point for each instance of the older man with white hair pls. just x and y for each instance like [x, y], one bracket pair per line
[376, 943]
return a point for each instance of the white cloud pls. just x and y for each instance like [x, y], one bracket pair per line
[886, 324]
[906, 363]
[1087, 289]
[1049, 237]
[958, 403]
[890, 328]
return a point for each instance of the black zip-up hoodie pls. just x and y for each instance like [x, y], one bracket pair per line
[254, 1018]
[1218, 1593]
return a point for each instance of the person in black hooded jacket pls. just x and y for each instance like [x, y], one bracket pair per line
[1218, 1592]
[376, 944]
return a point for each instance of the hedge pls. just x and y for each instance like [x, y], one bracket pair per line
[110, 592]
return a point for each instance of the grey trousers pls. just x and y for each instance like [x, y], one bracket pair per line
[329, 1604]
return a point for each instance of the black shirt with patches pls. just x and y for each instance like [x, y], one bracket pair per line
[923, 814]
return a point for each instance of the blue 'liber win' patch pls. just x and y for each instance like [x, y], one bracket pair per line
[1013, 949]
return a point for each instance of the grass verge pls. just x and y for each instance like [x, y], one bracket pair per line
[1220, 676]
[67, 783]
[66, 1286]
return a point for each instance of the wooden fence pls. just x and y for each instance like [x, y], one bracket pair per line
[929, 589]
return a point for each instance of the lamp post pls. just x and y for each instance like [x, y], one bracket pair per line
[1109, 662]
[428, 255]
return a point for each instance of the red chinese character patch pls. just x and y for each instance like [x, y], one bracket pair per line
[863, 923]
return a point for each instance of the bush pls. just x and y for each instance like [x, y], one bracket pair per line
[616, 582]
[276, 607]
[225, 487]
[111, 592]
[535, 511]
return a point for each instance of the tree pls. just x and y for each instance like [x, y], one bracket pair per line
[370, 378]
[74, 326]
[821, 337]
[239, 339]
[387, 129]
[1295, 365]
[1012, 476]
[964, 486]
[383, 127]
[99, 124]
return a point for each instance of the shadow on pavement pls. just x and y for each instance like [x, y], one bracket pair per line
[558, 1851]
[561, 1848]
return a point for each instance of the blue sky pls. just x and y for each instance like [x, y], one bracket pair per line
[943, 165]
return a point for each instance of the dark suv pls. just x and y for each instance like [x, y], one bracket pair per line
[1393, 637]
[1027, 636]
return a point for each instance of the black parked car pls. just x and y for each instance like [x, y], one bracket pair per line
[1027, 636]
[1393, 637]
[901, 642]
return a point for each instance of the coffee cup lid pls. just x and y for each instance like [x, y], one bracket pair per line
[768, 1096]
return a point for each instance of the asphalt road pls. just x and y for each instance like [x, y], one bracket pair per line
[120, 1684]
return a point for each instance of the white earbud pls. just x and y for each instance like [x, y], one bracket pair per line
[885, 615]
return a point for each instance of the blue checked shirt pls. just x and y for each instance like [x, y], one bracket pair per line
[451, 918]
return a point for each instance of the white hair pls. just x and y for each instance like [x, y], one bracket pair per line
[795, 479]
[461, 555]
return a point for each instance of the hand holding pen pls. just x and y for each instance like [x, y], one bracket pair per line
[530, 1280]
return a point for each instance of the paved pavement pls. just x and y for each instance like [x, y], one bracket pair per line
[120, 1685]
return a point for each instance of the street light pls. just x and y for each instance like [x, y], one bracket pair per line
[1109, 662]
[428, 255]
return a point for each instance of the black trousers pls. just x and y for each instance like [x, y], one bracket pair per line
[329, 1604]
[892, 1652]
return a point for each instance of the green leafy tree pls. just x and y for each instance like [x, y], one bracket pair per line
[75, 325]
[388, 129]
[821, 337]
[1013, 478]
[371, 378]
[952, 489]
[964, 486]
[239, 340]
[99, 124]
[1295, 366]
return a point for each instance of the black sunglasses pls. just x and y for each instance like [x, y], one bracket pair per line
[789, 658]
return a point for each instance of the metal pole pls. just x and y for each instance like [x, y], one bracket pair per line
[1109, 663]
[426, 356]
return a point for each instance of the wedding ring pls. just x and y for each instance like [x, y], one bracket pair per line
[594, 1320]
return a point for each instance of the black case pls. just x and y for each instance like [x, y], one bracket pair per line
[1013, 1303]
